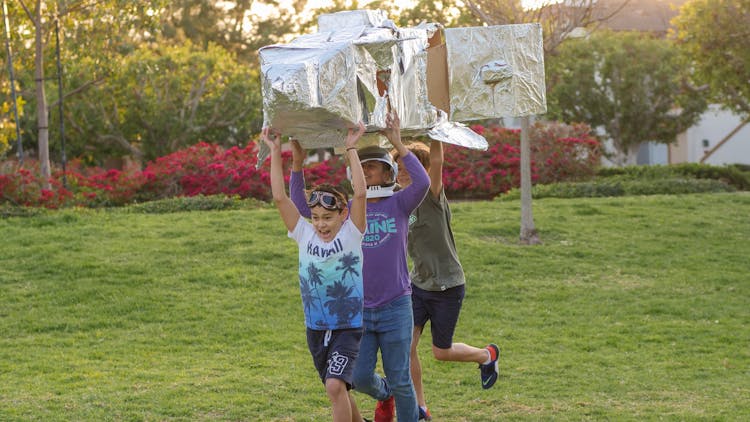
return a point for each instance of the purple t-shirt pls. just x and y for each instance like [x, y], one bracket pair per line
[384, 266]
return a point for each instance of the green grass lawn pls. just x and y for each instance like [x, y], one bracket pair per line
[633, 308]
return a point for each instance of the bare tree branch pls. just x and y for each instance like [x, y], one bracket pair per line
[78, 90]
[558, 20]
[28, 12]
[120, 140]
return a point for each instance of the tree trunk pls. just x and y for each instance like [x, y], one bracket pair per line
[529, 235]
[41, 101]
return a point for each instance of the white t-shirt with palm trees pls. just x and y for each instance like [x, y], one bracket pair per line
[330, 276]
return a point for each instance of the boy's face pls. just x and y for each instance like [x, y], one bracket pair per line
[327, 223]
[375, 173]
[403, 178]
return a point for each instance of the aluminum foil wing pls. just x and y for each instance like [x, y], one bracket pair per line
[456, 133]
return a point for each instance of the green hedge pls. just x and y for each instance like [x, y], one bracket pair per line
[648, 180]
[622, 187]
[161, 206]
[195, 203]
[735, 175]
[9, 210]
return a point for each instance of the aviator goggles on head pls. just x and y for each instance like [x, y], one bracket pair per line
[326, 200]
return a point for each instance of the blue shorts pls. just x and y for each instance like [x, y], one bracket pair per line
[441, 309]
[334, 352]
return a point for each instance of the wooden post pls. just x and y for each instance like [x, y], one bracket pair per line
[529, 234]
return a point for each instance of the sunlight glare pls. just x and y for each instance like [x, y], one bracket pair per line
[535, 4]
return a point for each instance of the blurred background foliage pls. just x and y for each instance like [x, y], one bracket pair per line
[144, 78]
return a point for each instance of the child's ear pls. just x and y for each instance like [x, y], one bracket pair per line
[345, 212]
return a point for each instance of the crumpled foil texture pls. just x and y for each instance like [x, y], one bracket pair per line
[496, 71]
[359, 66]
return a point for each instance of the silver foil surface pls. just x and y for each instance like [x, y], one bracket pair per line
[496, 71]
[359, 65]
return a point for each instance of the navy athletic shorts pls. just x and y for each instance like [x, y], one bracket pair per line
[441, 309]
[334, 352]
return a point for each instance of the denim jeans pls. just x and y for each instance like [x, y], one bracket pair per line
[389, 329]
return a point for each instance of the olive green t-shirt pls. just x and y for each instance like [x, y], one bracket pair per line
[432, 249]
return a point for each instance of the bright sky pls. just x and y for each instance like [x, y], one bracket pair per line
[533, 4]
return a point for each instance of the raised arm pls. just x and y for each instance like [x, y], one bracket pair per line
[411, 196]
[392, 131]
[298, 155]
[288, 211]
[297, 180]
[358, 209]
[436, 168]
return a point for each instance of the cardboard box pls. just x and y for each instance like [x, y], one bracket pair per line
[437, 72]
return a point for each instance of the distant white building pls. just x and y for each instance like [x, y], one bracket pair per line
[720, 137]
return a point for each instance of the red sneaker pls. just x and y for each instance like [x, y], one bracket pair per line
[385, 410]
[424, 414]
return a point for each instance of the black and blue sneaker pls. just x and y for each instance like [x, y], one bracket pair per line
[490, 370]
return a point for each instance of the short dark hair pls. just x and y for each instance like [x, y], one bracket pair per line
[337, 191]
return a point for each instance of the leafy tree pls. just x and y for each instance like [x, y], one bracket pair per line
[231, 24]
[333, 6]
[450, 13]
[628, 84]
[37, 23]
[99, 43]
[714, 35]
[161, 98]
[7, 116]
[99, 28]
[9, 110]
[7, 120]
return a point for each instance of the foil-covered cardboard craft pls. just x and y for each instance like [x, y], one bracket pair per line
[359, 65]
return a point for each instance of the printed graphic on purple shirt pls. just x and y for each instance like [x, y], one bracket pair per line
[380, 228]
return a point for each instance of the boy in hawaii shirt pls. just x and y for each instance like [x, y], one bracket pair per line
[330, 271]
[388, 319]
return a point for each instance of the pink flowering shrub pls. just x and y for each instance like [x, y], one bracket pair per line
[469, 173]
[559, 153]
[97, 187]
[202, 169]
[563, 152]
[20, 186]
[206, 169]
[331, 171]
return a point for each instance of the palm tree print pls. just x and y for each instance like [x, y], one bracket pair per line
[315, 274]
[306, 293]
[348, 263]
[342, 305]
[315, 279]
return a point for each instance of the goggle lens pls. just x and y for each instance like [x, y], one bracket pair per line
[327, 200]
